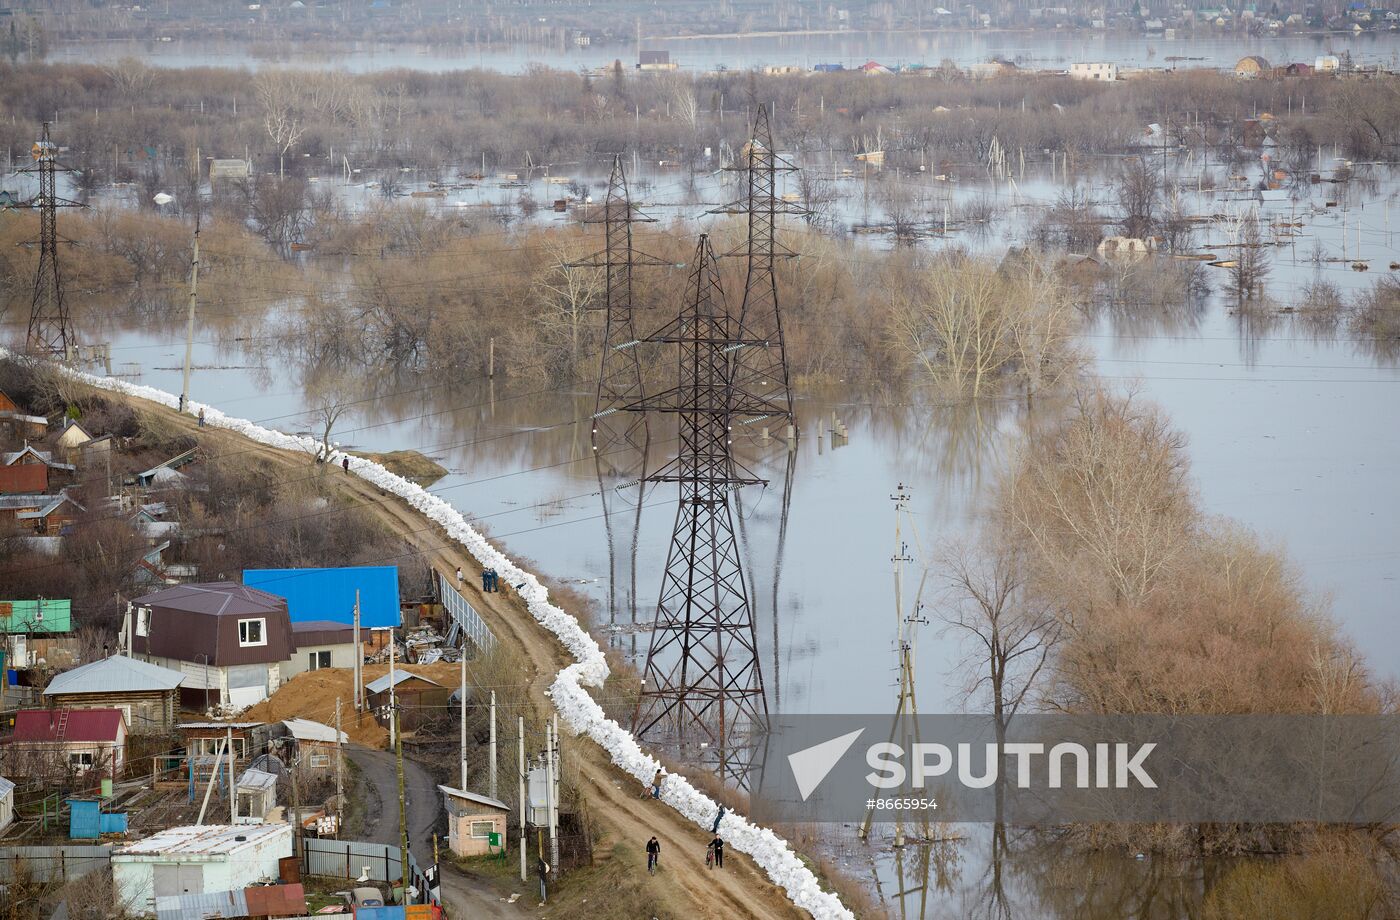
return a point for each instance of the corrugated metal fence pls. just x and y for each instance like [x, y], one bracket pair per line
[350, 858]
[464, 618]
[47, 864]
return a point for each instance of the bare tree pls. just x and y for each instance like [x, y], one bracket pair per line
[279, 93]
[568, 293]
[1138, 198]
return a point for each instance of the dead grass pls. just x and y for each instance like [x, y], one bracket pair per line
[409, 464]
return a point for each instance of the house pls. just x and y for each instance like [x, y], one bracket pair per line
[73, 437]
[203, 741]
[321, 644]
[874, 68]
[1251, 67]
[1297, 70]
[35, 631]
[655, 60]
[54, 518]
[257, 796]
[221, 636]
[147, 694]
[476, 824]
[229, 169]
[14, 420]
[151, 520]
[315, 743]
[198, 860]
[7, 804]
[54, 742]
[1105, 71]
[166, 475]
[330, 594]
[1327, 63]
[420, 699]
[153, 570]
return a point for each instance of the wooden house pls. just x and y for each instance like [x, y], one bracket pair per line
[147, 694]
[315, 744]
[55, 517]
[17, 423]
[420, 699]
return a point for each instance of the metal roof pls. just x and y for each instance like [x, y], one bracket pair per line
[473, 797]
[307, 730]
[329, 593]
[256, 779]
[117, 674]
[43, 456]
[206, 905]
[80, 725]
[380, 684]
[219, 598]
[206, 840]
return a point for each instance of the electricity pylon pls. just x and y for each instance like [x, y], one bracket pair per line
[50, 331]
[703, 682]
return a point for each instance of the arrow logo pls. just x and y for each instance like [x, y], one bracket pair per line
[811, 765]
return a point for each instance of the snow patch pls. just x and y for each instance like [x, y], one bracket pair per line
[579, 711]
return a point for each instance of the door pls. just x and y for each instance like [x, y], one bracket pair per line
[178, 879]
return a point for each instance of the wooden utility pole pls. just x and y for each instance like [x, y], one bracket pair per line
[232, 790]
[296, 802]
[189, 320]
[339, 771]
[213, 779]
[491, 358]
[393, 699]
[493, 745]
[403, 806]
[520, 737]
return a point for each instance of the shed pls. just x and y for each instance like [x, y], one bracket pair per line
[1251, 66]
[73, 437]
[257, 795]
[420, 699]
[13, 419]
[147, 694]
[321, 644]
[87, 820]
[472, 820]
[7, 804]
[316, 743]
[203, 739]
[198, 860]
[319, 594]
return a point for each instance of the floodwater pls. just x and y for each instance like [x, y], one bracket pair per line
[1291, 433]
[1035, 50]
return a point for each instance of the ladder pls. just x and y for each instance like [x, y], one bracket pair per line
[62, 724]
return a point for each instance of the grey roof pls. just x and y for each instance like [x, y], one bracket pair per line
[256, 779]
[203, 840]
[220, 598]
[117, 674]
[43, 456]
[380, 684]
[307, 730]
[473, 797]
[24, 501]
[57, 501]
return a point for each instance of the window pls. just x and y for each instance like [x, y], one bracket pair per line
[483, 829]
[320, 760]
[80, 761]
[320, 660]
[143, 621]
[252, 632]
[208, 747]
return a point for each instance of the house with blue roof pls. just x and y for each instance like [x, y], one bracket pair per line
[329, 594]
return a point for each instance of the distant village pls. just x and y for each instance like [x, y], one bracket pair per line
[162, 750]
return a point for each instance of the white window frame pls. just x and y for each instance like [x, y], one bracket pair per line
[143, 621]
[315, 659]
[262, 632]
[75, 760]
[473, 823]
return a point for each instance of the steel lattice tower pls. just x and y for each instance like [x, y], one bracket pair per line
[619, 439]
[50, 333]
[703, 682]
[761, 379]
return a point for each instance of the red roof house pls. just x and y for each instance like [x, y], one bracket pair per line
[24, 479]
[57, 742]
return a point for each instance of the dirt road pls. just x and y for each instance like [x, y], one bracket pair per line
[741, 891]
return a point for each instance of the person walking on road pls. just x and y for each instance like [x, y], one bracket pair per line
[201, 416]
[656, 784]
[653, 854]
[718, 818]
[715, 852]
[345, 464]
[459, 578]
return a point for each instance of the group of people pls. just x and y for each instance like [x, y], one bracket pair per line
[714, 853]
[490, 580]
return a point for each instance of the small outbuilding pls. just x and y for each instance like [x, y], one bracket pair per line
[315, 742]
[1251, 67]
[420, 699]
[197, 860]
[476, 824]
[257, 796]
[7, 804]
[147, 694]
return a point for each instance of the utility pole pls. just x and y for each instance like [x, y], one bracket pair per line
[906, 713]
[339, 771]
[189, 321]
[551, 795]
[359, 657]
[296, 797]
[520, 737]
[50, 334]
[403, 806]
[493, 746]
[462, 710]
[393, 704]
[702, 682]
[232, 764]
